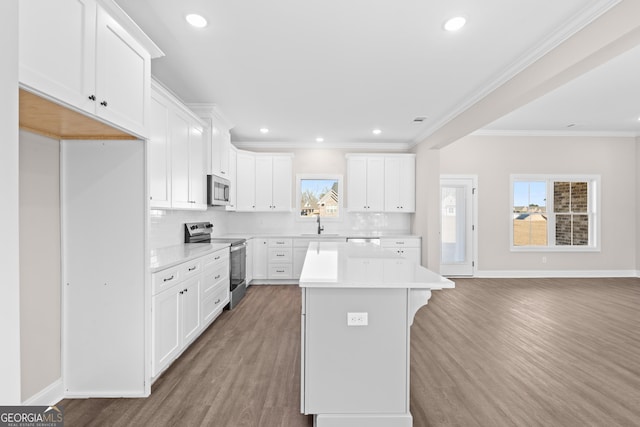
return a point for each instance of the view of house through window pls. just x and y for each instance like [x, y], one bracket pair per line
[319, 196]
[554, 212]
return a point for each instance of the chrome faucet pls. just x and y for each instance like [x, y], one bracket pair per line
[320, 227]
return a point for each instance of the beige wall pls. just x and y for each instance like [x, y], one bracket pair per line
[494, 158]
[39, 262]
[9, 257]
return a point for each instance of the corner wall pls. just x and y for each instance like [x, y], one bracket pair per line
[494, 158]
[9, 243]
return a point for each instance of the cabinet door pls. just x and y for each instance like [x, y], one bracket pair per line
[159, 155]
[57, 49]
[281, 194]
[392, 167]
[216, 144]
[190, 296]
[245, 182]
[179, 124]
[260, 258]
[264, 183]
[375, 184]
[357, 184]
[197, 199]
[412, 254]
[249, 271]
[407, 184]
[165, 328]
[123, 76]
[225, 147]
[233, 176]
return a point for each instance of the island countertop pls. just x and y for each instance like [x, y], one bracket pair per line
[362, 265]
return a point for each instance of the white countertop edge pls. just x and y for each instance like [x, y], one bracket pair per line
[341, 235]
[170, 256]
[362, 285]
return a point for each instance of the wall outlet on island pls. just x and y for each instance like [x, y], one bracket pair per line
[357, 319]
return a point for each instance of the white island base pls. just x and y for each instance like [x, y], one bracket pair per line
[358, 303]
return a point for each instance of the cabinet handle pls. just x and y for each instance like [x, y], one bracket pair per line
[186, 290]
[217, 277]
[166, 279]
[193, 268]
[217, 258]
[279, 254]
[217, 301]
[399, 243]
[103, 103]
[279, 271]
[92, 97]
[181, 292]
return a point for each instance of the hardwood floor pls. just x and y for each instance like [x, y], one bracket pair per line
[492, 352]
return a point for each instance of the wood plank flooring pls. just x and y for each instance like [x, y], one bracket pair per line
[492, 352]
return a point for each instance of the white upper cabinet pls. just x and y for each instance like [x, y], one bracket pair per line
[264, 182]
[177, 176]
[159, 149]
[365, 183]
[246, 181]
[75, 52]
[233, 178]
[400, 183]
[217, 137]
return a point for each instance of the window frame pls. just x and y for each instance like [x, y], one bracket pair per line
[593, 211]
[323, 176]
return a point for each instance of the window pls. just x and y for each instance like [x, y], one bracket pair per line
[319, 195]
[554, 212]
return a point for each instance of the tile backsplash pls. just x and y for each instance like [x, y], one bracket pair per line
[166, 227]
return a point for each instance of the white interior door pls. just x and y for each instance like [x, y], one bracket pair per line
[457, 206]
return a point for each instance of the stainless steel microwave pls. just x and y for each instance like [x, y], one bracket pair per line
[217, 190]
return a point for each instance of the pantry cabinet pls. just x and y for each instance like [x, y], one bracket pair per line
[365, 183]
[264, 182]
[400, 183]
[75, 52]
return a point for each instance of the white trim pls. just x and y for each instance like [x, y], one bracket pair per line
[386, 146]
[487, 274]
[48, 396]
[558, 133]
[583, 18]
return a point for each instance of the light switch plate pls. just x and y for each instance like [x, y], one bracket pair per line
[357, 319]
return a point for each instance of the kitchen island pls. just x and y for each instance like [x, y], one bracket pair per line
[358, 303]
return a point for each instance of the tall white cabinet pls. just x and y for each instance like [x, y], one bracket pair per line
[264, 182]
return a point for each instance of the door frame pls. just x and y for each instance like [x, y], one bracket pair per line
[474, 217]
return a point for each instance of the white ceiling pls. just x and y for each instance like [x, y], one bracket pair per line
[338, 69]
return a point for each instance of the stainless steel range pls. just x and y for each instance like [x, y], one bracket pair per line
[200, 232]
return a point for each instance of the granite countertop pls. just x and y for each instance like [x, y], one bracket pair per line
[362, 265]
[169, 256]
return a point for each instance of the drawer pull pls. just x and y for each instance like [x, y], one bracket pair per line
[279, 254]
[399, 243]
[166, 279]
[279, 271]
[217, 258]
[217, 301]
[217, 277]
[193, 268]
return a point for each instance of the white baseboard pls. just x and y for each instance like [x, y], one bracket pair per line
[48, 396]
[554, 273]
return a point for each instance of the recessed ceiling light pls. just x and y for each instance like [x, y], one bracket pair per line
[454, 24]
[319, 139]
[196, 20]
[264, 130]
[377, 131]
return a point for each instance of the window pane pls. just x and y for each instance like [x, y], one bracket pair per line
[580, 230]
[579, 196]
[530, 213]
[561, 197]
[319, 196]
[563, 230]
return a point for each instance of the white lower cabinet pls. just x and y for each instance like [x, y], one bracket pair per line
[260, 253]
[409, 248]
[186, 298]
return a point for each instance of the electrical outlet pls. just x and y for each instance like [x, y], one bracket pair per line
[357, 319]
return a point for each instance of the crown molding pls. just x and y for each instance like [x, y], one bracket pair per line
[381, 146]
[585, 133]
[555, 39]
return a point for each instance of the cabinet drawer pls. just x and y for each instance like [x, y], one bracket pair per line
[165, 279]
[280, 255]
[214, 260]
[410, 242]
[214, 303]
[280, 271]
[190, 268]
[280, 243]
[213, 277]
